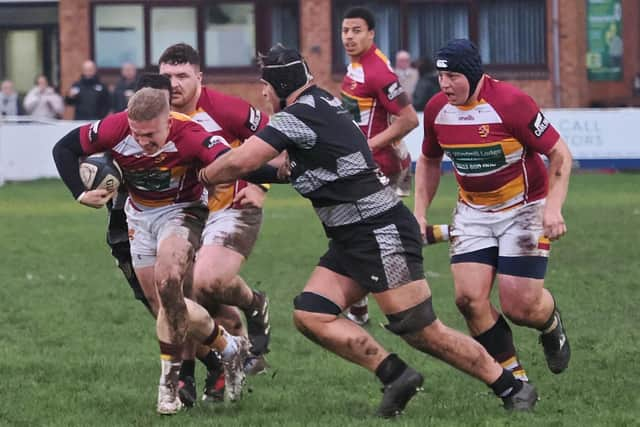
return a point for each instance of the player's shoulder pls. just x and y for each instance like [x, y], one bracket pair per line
[435, 105]
[376, 66]
[502, 94]
[220, 102]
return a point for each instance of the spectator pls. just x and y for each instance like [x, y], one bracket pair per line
[43, 101]
[407, 75]
[427, 84]
[89, 96]
[9, 105]
[125, 87]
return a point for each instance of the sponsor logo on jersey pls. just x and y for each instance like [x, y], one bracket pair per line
[483, 131]
[93, 131]
[253, 121]
[215, 140]
[393, 90]
[468, 117]
[539, 124]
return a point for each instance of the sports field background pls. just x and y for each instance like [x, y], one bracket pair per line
[77, 350]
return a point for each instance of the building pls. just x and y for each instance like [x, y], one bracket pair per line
[543, 46]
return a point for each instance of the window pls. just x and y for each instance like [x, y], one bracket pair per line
[511, 35]
[119, 35]
[230, 38]
[227, 33]
[512, 32]
[170, 25]
[285, 25]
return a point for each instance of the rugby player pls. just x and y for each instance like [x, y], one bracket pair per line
[159, 153]
[232, 228]
[374, 240]
[372, 93]
[509, 207]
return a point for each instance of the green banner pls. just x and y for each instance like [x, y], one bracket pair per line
[604, 38]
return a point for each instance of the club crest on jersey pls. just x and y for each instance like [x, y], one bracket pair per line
[253, 121]
[215, 140]
[539, 124]
[393, 90]
[483, 131]
[93, 131]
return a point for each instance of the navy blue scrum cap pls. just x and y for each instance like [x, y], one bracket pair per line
[461, 56]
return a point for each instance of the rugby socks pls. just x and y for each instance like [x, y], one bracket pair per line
[436, 233]
[211, 361]
[170, 360]
[390, 369]
[552, 323]
[360, 310]
[221, 341]
[188, 368]
[498, 341]
[170, 352]
[506, 385]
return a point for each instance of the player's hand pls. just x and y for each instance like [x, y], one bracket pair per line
[96, 198]
[284, 170]
[250, 196]
[553, 223]
[422, 222]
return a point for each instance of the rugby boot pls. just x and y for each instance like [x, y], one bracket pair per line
[168, 400]
[397, 393]
[234, 375]
[214, 386]
[187, 391]
[523, 400]
[358, 313]
[556, 346]
[258, 325]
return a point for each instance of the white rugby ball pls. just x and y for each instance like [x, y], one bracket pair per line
[99, 170]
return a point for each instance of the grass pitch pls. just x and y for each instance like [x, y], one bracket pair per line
[77, 350]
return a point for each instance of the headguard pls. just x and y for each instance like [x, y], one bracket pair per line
[461, 56]
[285, 70]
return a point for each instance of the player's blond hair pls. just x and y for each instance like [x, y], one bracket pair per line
[147, 104]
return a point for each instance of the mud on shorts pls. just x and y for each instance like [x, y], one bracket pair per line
[515, 237]
[149, 226]
[235, 229]
[380, 253]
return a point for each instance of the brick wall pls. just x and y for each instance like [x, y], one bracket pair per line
[74, 42]
[315, 42]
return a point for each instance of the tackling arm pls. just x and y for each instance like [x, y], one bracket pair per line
[238, 162]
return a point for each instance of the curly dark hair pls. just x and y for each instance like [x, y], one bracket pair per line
[180, 53]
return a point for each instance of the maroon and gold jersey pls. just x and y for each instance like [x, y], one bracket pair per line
[372, 94]
[494, 145]
[237, 120]
[166, 177]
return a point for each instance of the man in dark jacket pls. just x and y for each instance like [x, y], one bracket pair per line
[89, 96]
[125, 87]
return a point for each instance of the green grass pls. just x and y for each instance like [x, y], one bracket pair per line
[76, 349]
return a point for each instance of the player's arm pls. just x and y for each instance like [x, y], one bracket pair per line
[405, 121]
[427, 177]
[238, 162]
[560, 162]
[394, 99]
[66, 154]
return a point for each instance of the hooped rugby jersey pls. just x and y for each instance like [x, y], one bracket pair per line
[372, 93]
[494, 145]
[237, 120]
[166, 177]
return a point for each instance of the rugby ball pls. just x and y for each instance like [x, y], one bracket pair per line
[99, 170]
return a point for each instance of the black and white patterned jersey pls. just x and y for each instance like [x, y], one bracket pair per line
[331, 163]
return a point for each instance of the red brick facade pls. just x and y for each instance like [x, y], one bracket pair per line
[316, 45]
